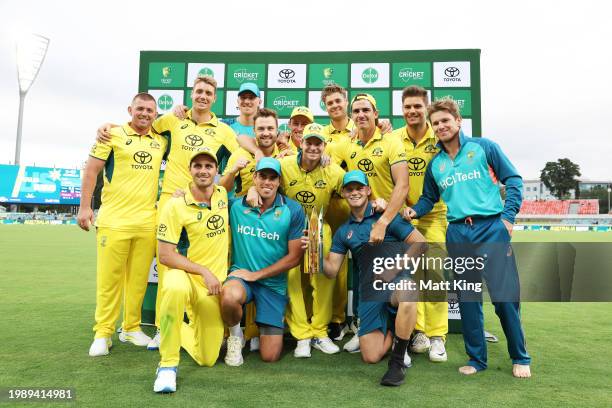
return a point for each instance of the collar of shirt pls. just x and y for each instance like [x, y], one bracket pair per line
[279, 201]
[369, 212]
[429, 136]
[131, 132]
[377, 136]
[214, 121]
[349, 127]
[190, 200]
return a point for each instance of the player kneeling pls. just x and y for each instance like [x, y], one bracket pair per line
[193, 235]
[375, 337]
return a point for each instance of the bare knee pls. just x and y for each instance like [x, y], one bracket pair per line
[270, 356]
[371, 356]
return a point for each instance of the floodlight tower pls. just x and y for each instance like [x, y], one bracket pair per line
[31, 51]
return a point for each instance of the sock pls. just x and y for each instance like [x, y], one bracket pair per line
[236, 330]
[399, 349]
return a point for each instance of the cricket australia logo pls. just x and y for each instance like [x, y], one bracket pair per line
[320, 184]
[377, 152]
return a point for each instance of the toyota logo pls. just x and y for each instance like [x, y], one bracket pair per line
[142, 157]
[162, 228]
[305, 197]
[365, 165]
[416, 163]
[453, 305]
[194, 140]
[451, 72]
[215, 222]
[286, 73]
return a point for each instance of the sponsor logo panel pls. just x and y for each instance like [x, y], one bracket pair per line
[214, 70]
[315, 104]
[411, 73]
[283, 102]
[166, 75]
[237, 74]
[287, 76]
[370, 75]
[321, 75]
[455, 74]
[462, 97]
[166, 99]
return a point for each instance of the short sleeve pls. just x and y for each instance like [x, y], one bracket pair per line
[397, 152]
[169, 229]
[298, 220]
[165, 123]
[338, 244]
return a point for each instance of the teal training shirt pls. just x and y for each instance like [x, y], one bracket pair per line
[260, 240]
[468, 183]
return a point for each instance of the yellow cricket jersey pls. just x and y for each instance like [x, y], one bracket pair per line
[336, 137]
[313, 189]
[201, 233]
[131, 178]
[185, 137]
[244, 179]
[418, 157]
[375, 160]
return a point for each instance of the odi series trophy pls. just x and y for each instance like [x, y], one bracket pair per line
[315, 242]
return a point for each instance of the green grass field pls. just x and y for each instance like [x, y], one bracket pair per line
[47, 304]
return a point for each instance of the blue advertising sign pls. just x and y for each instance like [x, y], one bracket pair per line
[39, 185]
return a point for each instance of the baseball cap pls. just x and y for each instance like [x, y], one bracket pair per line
[356, 176]
[269, 163]
[313, 130]
[365, 96]
[302, 111]
[249, 87]
[204, 150]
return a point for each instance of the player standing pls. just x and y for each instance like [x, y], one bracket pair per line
[125, 228]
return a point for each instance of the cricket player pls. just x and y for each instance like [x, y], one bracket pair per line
[374, 335]
[420, 143]
[306, 181]
[265, 245]
[299, 118]
[238, 178]
[201, 128]
[465, 175]
[125, 227]
[249, 102]
[383, 159]
[193, 235]
[238, 175]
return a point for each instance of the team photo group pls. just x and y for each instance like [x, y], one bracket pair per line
[229, 226]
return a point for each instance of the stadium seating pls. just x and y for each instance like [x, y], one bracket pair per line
[559, 207]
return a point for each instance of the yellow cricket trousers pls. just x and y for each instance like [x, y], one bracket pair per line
[322, 292]
[161, 269]
[123, 262]
[432, 317]
[202, 338]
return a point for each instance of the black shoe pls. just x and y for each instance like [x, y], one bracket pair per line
[395, 374]
[334, 330]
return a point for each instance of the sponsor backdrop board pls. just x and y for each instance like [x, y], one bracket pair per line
[290, 79]
[39, 185]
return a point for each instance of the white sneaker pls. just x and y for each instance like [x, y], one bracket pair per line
[254, 346]
[155, 342]
[437, 352]
[166, 380]
[137, 338]
[420, 343]
[100, 347]
[303, 349]
[407, 360]
[352, 346]
[233, 356]
[325, 345]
